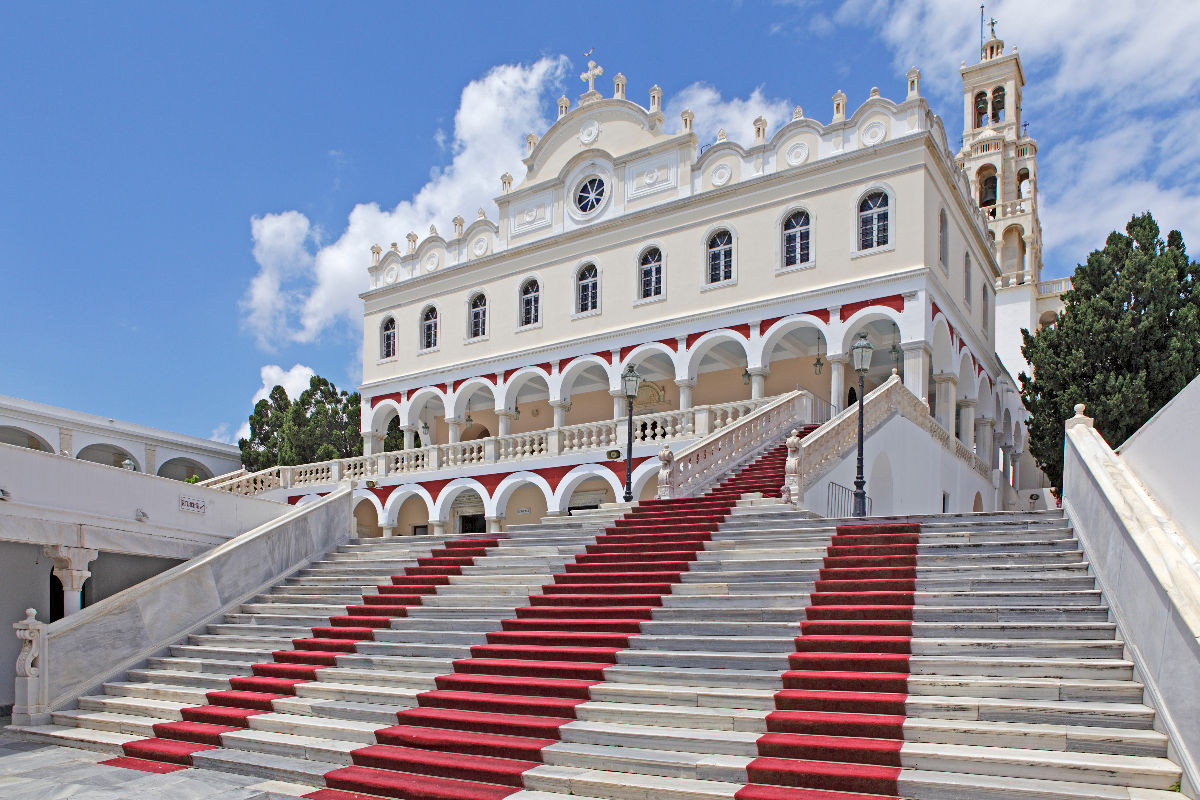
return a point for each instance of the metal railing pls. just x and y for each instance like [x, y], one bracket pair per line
[839, 502]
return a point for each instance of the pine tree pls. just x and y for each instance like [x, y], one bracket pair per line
[1127, 341]
[320, 425]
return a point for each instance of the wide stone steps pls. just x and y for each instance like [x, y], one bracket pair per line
[1014, 685]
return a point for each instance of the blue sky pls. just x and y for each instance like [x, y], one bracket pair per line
[189, 192]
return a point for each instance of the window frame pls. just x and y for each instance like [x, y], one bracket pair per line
[477, 316]
[424, 326]
[731, 279]
[967, 283]
[642, 266]
[536, 322]
[808, 228]
[387, 336]
[889, 223]
[576, 301]
[944, 241]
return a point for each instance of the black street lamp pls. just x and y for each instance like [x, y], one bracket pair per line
[860, 359]
[630, 382]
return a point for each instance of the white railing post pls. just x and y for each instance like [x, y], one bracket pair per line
[491, 452]
[30, 703]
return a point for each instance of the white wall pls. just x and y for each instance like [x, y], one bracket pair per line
[24, 583]
[1014, 311]
[1162, 454]
[58, 500]
[919, 467]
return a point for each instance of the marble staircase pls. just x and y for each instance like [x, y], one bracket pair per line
[713, 647]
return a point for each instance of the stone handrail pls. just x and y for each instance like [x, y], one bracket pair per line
[822, 450]
[695, 467]
[228, 476]
[657, 426]
[1054, 286]
[64, 659]
[1150, 576]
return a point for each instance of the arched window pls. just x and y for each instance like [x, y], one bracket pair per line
[1023, 184]
[984, 306]
[943, 240]
[873, 221]
[981, 109]
[967, 279]
[429, 328]
[531, 303]
[650, 273]
[998, 104]
[720, 257]
[387, 347]
[587, 289]
[796, 231]
[477, 321]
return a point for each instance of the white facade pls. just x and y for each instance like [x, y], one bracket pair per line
[111, 442]
[736, 272]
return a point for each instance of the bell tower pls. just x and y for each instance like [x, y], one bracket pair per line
[1000, 159]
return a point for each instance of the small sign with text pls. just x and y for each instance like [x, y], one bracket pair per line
[193, 504]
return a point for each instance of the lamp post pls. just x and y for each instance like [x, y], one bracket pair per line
[860, 359]
[630, 382]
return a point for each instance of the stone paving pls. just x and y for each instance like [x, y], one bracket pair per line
[31, 771]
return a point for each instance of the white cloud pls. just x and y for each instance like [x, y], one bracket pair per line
[297, 294]
[1109, 98]
[221, 434]
[294, 381]
[735, 115]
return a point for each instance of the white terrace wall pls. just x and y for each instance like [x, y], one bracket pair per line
[74, 655]
[1162, 455]
[1150, 576]
[52, 499]
[909, 460]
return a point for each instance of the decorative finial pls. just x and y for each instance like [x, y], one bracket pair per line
[687, 116]
[433, 231]
[564, 105]
[481, 214]
[619, 86]
[412, 241]
[874, 91]
[655, 99]
[839, 106]
[797, 113]
[458, 226]
[760, 130]
[530, 142]
[721, 135]
[506, 181]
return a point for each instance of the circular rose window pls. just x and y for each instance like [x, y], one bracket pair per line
[590, 195]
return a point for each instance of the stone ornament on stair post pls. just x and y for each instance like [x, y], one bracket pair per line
[666, 464]
[791, 470]
[29, 702]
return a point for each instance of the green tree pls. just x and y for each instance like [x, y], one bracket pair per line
[319, 425]
[1127, 341]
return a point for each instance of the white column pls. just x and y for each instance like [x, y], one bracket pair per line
[66, 446]
[685, 393]
[618, 403]
[1016, 469]
[945, 385]
[495, 524]
[388, 531]
[372, 443]
[437, 528]
[837, 382]
[758, 382]
[71, 569]
[455, 427]
[506, 417]
[560, 411]
[983, 440]
[151, 460]
[916, 368]
[410, 436]
[966, 422]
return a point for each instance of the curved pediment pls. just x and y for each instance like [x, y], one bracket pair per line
[613, 126]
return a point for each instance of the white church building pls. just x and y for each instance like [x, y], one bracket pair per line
[727, 275]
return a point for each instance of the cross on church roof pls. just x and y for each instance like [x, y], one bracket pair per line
[992, 24]
[593, 71]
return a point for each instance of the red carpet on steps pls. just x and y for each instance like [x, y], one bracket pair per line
[488, 721]
[838, 726]
[230, 710]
